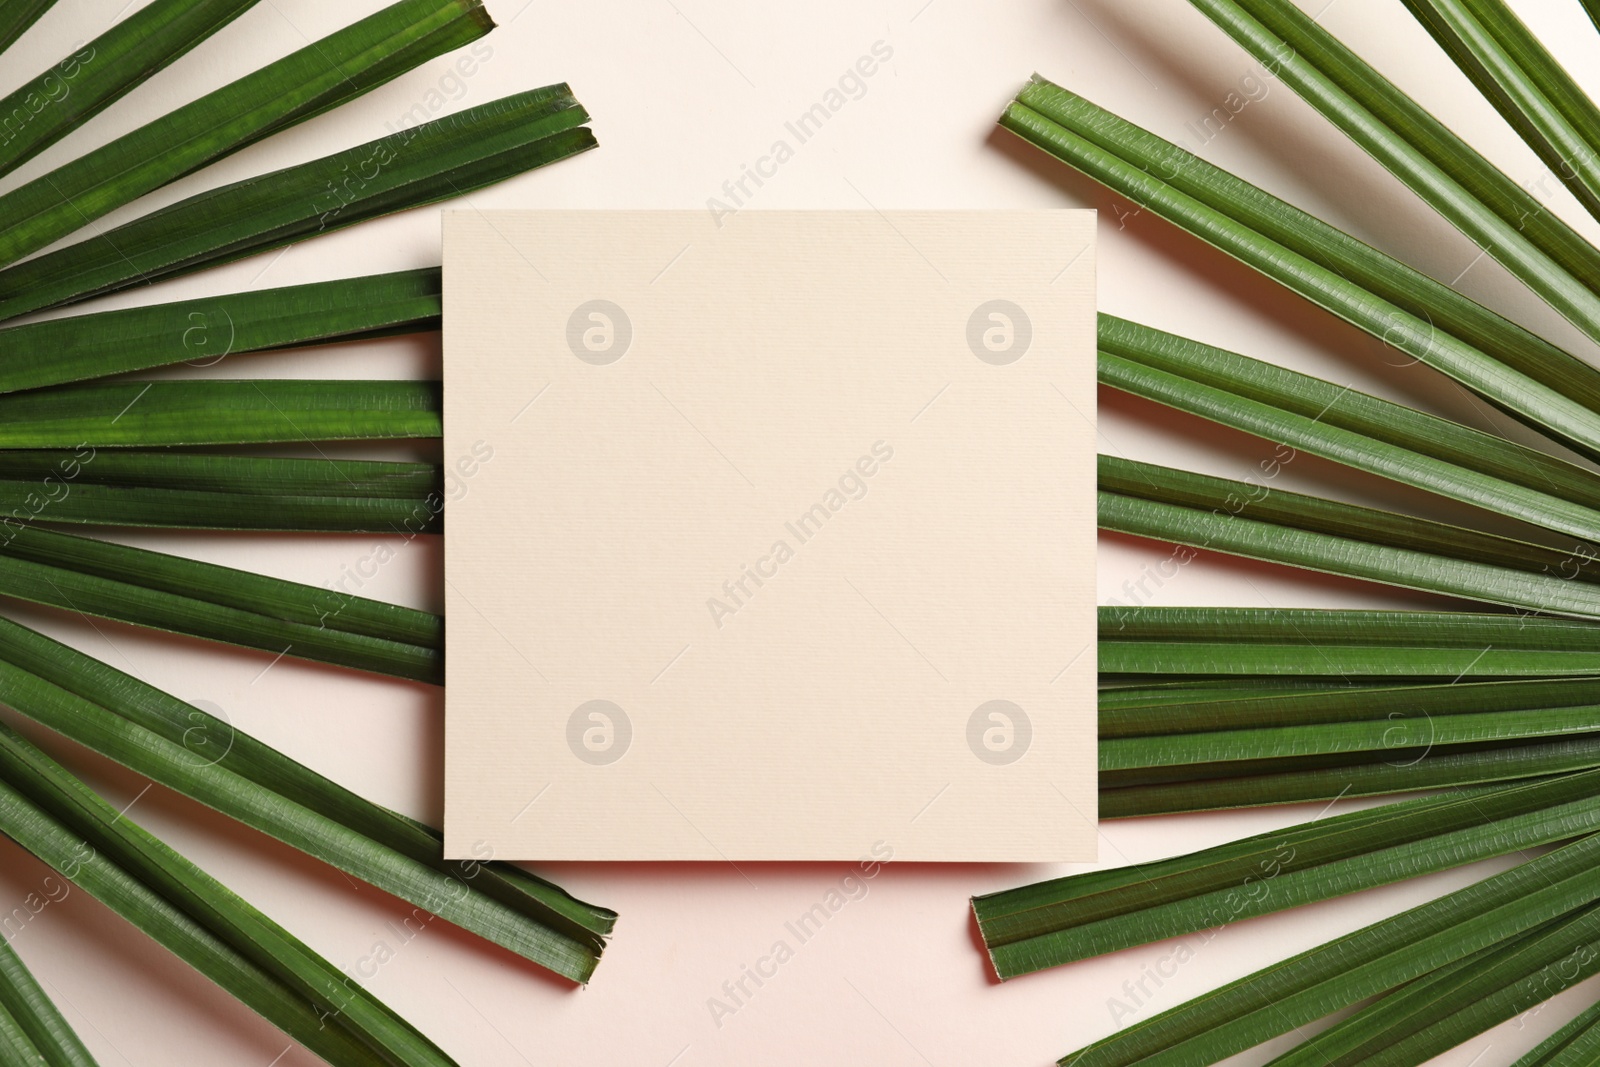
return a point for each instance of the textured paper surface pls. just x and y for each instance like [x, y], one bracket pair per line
[773, 541]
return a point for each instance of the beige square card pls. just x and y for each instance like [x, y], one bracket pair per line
[772, 540]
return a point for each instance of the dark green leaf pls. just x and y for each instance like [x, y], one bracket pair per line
[164, 592]
[214, 741]
[74, 89]
[1297, 781]
[336, 996]
[1256, 500]
[317, 78]
[17, 15]
[1217, 529]
[1437, 1012]
[1087, 915]
[205, 330]
[217, 412]
[1370, 961]
[1405, 309]
[1526, 85]
[1335, 422]
[438, 160]
[34, 1015]
[423, 885]
[43, 835]
[1578, 1042]
[201, 491]
[1528, 240]
[1249, 710]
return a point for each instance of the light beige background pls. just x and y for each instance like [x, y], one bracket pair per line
[806, 491]
[895, 979]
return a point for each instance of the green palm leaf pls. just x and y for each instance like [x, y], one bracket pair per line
[46, 837]
[421, 884]
[217, 412]
[30, 1021]
[1247, 711]
[1526, 85]
[318, 77]
[1316, 778]
[217, 492]
[1405, 309]
[1321, 626]
[206, 330]
[435, 161]
[1453, 179]
[1370, 961]
[1339, 406]
[211, 740]
[1576, 1043]
[17, 15]
[209, 903]
[75, 89]
[163, 592]
[1267, 402]
[1088, 915]
[1438, 1012]
[1255, 500]
[1215, 529]
[1382, 733]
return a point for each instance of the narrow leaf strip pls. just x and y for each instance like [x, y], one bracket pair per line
[438, 160]
[1216, 530]
[1028, 931]
[217, 412]
[1254, 500]
[313, 833]
[1441, 178]
[1403, 308]
[76, 88]
[1291, 781]
[208, 902]
[1382, 732]
[1346, 661]
[74, 859]
[1576, 1043]
[214, 492]
[17, 15]
[214, 741]
[36, 1015]
[15, 1045]
[318, 77]
[1434, 1014]
[1310, 707]
[1346, 426]
[1532, 92]
[1319, 626]
[206, 330]
[203, 600]
[1370, 961]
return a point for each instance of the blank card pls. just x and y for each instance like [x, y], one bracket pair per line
[770, 540]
